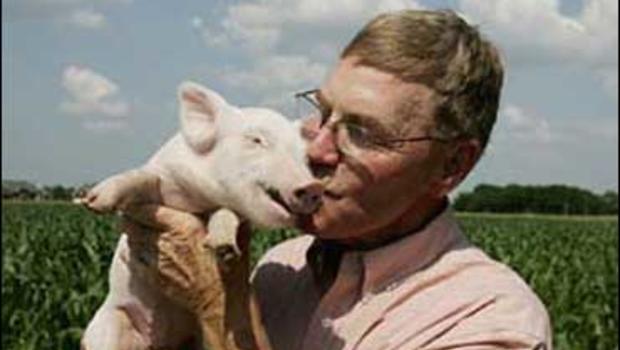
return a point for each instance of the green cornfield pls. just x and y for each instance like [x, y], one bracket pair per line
[56, 256]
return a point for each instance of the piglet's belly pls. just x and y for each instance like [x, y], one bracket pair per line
[160, 322]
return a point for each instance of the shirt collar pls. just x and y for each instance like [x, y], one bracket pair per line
[388, 264]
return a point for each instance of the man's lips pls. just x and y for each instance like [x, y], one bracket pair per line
[328, 188]
[306, 222]
[331, 194]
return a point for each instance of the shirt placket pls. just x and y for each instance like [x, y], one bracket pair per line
[324, 329]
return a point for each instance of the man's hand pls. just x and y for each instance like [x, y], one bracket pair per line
[174, 253]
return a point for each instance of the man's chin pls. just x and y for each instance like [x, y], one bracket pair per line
[323, 223]
[306, 224]
[312, 225]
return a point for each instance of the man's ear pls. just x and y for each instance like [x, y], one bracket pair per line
[200, 109]
[459, 163]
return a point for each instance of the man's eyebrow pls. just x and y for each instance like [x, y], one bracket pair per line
[363, 119]
[367, 121]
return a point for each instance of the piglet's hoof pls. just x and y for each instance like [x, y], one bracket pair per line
[222, 236]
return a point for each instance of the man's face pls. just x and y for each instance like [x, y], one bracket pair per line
[371, 191]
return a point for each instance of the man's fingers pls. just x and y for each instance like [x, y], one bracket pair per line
[164, 219]
[128, 225]
[244, 235]
[136, 231]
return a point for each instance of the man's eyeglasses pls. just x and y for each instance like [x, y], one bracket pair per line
[352, 136]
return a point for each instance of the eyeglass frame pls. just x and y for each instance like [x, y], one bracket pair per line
[383, 142]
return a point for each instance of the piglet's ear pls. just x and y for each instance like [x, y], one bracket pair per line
[200, 108]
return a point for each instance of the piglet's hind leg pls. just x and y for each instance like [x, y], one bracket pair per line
[111, 329]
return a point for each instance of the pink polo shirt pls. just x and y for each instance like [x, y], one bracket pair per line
[429, 290]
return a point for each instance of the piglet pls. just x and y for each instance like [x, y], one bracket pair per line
[250, 161]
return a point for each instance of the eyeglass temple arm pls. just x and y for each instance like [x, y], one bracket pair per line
[304, 95]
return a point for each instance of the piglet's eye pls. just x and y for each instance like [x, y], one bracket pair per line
[257, 140]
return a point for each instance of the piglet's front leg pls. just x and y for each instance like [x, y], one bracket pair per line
[117, 192]
[222, 237]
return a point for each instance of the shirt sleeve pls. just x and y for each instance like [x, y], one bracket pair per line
[507, 321]
[510, 323]
[496, 339]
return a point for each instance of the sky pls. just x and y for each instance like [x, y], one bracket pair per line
[89, 86]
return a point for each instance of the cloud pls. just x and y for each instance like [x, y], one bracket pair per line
[524, 127]
[284, 71]
[263, 24]
[609, 79]
[536, 31]
[91, 94]
[197, 22]
[279, 36]
[275, 79]
[289, 44]
[72, 11]
[102, 126]
[521, 128]
[528, 147]
[88, 19]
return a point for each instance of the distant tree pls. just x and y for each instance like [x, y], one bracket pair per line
[610, 198]
[462, 202]
[552, 199]
[58, 192]
[18, 189]
[81, 190]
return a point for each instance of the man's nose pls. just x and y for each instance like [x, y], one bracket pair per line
[323, 149]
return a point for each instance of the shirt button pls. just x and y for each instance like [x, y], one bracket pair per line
[366, 298]
[327, 323]
[392, 286]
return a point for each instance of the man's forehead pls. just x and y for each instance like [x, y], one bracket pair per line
[364, 90]
[349, 70]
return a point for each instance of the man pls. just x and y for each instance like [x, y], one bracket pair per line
[404, 117]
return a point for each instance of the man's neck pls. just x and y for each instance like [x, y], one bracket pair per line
[413, 220]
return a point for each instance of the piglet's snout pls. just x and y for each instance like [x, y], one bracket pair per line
[306, 199]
